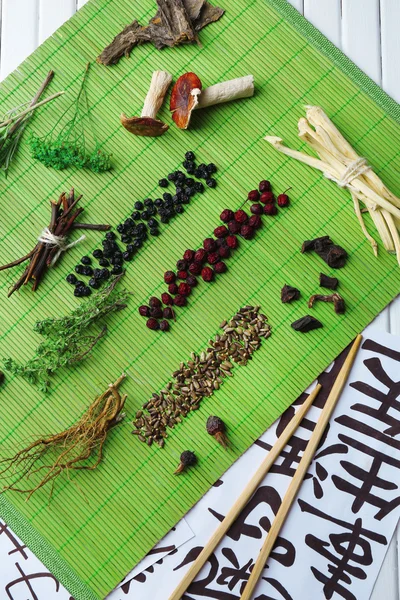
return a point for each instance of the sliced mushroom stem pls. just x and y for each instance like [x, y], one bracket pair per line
[160, 82]
[147, 124]
[226, 91]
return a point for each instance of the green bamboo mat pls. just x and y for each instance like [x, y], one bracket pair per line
[98, 525]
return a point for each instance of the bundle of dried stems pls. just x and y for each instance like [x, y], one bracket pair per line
[340, 163]
[70, 449]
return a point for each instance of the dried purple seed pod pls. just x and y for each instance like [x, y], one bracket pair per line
[187, 459]
[216, 427]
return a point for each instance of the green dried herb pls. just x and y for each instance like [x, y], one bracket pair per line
[68, 340]
[72, 142]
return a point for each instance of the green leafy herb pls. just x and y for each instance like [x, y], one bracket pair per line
[72, 142]
[69, 340]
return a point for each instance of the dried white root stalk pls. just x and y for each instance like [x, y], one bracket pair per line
[226, 91]
[339, 162]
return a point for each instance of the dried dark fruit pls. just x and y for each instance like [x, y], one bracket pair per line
[306, 324]
[169, 277]
[180, 300]
[216, 427]
[195, 268]
[86, 260]
[241, 216]
[224, 252]
[247, 232]
[211, 183]
[253, 196]
[200, 255]
[256, 209]
[270, 210]
[71, 279]
[227, 215]
[213, 258]
[152, 324]
[338, 302]
[283, 200]
[267, 198]
[168, 313]
[187, 459]
[289, 293]
[154, 301]
[164, 325]
[234, 227]
[207, 274]
[188, 255]
[192, 281]
[255, 221]
[264, 186]
[182, 265]
[221, 231]
[335, 256]
[209, 244]
[328, 282]
[144, 311]
[182, 274]
[173, 288]
[184, 289]
[163, 183]
[156, 312]
[220, 267]
[232, 242]
[167, 299]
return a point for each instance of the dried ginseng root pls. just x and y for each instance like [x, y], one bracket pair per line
[68, 450]
[202, 375]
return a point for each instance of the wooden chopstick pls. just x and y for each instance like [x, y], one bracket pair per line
[244, 496]
[300, 472]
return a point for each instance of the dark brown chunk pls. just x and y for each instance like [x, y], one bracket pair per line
[328, 282]
[338, 302]
[289, 293]
[334, 256]
[306, 324]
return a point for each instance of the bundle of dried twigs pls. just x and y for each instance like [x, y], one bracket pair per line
[70, 449]
[52, 241]
[340, 163]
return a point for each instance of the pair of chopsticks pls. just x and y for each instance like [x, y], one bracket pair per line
[261, 473]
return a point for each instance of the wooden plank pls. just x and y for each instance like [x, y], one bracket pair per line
[299, 4]
[390, 19]
[326, 16]
[19, 33]
[52, 14]
[361, 35]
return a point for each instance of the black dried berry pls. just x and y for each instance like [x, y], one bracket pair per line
[153, 222]
[87, 271]
[71, 279]
[94, 283]
[78, 291]
[110, 235]
[189, 155]
[86, 291]
[127, 256]
[167, 197]
[141, 228]
[103, 262]
[179, 209]
[199, 187]
[211, 168]
[171, 176]
[159, 202]
[97, 253]
[137, 243]
[116, 270]
[105, 274]
[80, 283]
[138, 205]
[148, 202]
[154, 232]
[80, 269]
[145, 215]
[126, 239]
[121, 228]
[164, 219]
[163, 183]
[97, 273]
[211, 182]
[135, 215]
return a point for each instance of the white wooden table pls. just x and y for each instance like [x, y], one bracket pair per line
[366, 30]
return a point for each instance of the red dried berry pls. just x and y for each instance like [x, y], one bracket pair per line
[184, 289]
[234, 226]
[169, 277]
[195, 268]
[227, 215]
[221, 231]
[255, 221]
[224, 252]
[164, 326]
[264, 186]
[173, 288]
[267, 198]
[154, 301]
[270, 209]
[168, 313]
[283, 200]
[256, 209]
[232, 242]
[253, 196]
[207, 274]
[209, 244]
[152, 324]
[220, 267]
[179, 300]
[188, 255]
[182, 274]
[192, 281]
[247, 232]
[213, 258]
[181, 265]
[200, 256]
[156, 312]
[219, 242]
[241, 216]
[167, 299]
[144, 311]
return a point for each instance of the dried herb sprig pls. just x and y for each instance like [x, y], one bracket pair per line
[51, 242]
[72, 142]
[68, 450]
[69, 339]
[15, 122]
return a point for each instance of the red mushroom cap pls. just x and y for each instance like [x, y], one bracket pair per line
[145, 126]
[183, 100]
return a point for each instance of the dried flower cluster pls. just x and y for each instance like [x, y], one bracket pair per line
[202, 375]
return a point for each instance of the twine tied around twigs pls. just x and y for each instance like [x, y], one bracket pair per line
[355, 169]
[46, 237]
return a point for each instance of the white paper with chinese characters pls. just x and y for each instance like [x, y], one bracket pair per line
[335, 538]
